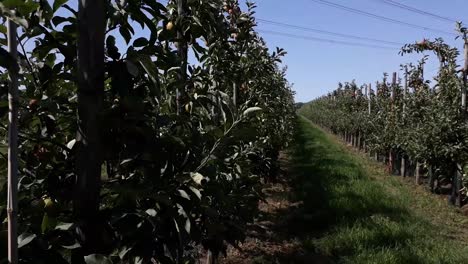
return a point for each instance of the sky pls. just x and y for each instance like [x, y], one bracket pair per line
[315, 68]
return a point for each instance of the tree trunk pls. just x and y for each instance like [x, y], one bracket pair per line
[91, 26]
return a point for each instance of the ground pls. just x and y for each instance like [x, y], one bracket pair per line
[333, 204]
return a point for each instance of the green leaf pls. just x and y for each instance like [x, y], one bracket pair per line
[140, 42]
[73, 246]
[151, 212]
[112, 50]
[71, 144]
[196, 192]
[97, 259]
[125, 32]
[24, 7]
[251, 110]
[132, 68]
[57, 20]
[6, 61]
[48, 223]
[197, 177]
[152, 71]
[187, 226]
[64, 226]
[58, 4]
[184, 194]
[25, 239]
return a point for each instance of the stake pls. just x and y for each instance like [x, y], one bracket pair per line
[405, 88]
[12, 203]
[392, 98]
[369, 99]
[234, 95]
[417, 173]
[182, 52]
[89, 156]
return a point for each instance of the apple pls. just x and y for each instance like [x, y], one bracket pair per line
[170, 26]
[33, 104]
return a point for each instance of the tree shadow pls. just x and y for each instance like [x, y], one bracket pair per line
[324, 191]
[315, 171]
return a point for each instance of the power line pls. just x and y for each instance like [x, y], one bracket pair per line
[387, 19]
[324, 40]
[415, 10]
[328, 32]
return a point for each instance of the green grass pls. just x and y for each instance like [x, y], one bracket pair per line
[353, 212]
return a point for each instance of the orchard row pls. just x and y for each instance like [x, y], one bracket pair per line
[417, 126]
[146, 130]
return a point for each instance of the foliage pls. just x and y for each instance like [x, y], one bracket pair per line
[172, 179]
[417, 119]
[354, 213]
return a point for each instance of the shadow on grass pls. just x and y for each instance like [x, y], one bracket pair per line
[342, 215]
[341, 212]
[332, 186]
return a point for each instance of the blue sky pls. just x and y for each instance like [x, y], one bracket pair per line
[316, 68]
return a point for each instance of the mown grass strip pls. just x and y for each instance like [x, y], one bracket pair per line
[353, 212]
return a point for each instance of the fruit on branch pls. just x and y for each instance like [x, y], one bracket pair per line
[40, 153]
[50, 207]
[33, 104]
[188, 108]
[170, 26]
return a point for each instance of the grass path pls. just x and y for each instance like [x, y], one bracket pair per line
[340, 207]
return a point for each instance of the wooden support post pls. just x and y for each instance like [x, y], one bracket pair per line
[456, 186]
[403, 166]
[405, 89]
[369, 100]
[13, 98]
[234, 96]
[431, 178]
[465, 74]
[392, 98]
[417, 173]
[89, 156]
[182, 51]
[359, 141]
